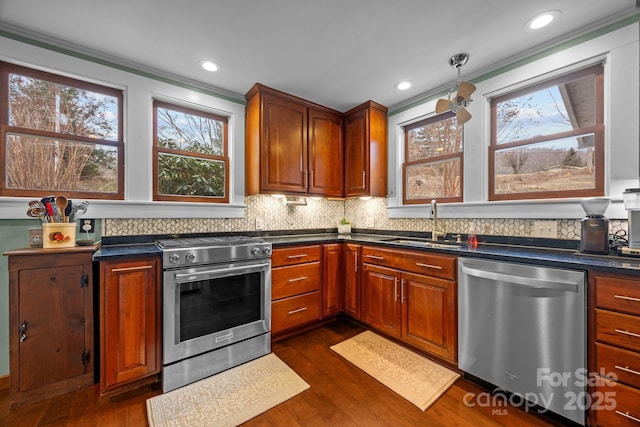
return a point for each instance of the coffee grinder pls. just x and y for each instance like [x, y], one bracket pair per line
[594, 233]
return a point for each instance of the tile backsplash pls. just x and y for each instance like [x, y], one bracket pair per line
[269, 213]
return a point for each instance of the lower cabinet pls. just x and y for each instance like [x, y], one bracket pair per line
[418, 308]
[130, 323]
[332, 279]
[296, 292]
[614, 348]
[50, 322]
[352, 279]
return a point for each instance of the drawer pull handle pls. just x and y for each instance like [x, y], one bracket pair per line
[297, 279]
[437, 267]
[627, 298]
[142, 267]
[297, 310]
[632, 334]
[626, 369]
[297, 256]
[628, 416]
[374, 257]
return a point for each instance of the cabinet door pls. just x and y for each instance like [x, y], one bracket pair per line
[52, 305]
[352, 280]
[332, 295]
[381, 299]
[326, 153]
[356, 158]
[428, 308]
[130, 325]
[283, 151]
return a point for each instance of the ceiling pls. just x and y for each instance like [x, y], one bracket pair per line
[334, 52]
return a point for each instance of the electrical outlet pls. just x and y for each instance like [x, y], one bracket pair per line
[545, 228]
[371, 222]
[259, 223]
[35, 237]
[88, 225]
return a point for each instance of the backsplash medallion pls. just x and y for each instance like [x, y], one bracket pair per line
[271, 214]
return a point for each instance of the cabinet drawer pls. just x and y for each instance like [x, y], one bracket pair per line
[294, 311]
[618, 294]
[624, 364]
[295, 255]
[430, 264]
[618, 404]
[618, 329]
[295, 280]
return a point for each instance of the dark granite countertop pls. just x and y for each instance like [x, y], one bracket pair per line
[563, 256]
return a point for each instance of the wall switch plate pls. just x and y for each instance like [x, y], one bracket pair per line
[35, 237]
[545, 229]
[88, 225]
[259, 223]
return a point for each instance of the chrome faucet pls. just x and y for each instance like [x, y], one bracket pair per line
[434, 215]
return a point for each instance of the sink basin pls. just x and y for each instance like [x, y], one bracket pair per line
[423, 243]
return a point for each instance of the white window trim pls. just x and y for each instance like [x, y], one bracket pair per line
[138, 137]
[622, 161]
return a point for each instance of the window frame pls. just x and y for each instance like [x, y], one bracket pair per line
[156, 196]
[431, 160]
[598, 130]
[6, 69]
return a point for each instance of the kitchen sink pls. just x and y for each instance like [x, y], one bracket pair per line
[423, 243]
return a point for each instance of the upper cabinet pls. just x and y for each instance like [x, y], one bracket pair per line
[292, 146]
[366, 151]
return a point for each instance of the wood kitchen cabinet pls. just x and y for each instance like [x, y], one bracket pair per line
[352, 279]
[292, 145]
[130, 323]
[332, 279]
[411, 295]
[296, 282]
[614, 348]
[50, 322]
[366, 151]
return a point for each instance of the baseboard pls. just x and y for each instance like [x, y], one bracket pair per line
[4, 382]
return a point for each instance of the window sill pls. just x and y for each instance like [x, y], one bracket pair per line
[550, 209]
[16, 208]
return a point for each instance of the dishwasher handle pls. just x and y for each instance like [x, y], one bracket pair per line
[520, 280]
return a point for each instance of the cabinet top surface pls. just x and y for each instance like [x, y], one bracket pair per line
[42, 251]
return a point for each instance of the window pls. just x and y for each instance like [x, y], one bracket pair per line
[190, 155]
[548, 140]
[433, 160]
[59, 135]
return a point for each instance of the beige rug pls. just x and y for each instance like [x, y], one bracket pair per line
[228, 398]
[416, 378]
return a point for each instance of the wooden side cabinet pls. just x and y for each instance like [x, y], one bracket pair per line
[130, 323]
[50, 322]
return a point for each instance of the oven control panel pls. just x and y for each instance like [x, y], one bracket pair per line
[188, 256]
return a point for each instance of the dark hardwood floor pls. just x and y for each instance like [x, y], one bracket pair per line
[340, 395]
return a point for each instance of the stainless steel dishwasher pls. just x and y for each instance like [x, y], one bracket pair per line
[523, 328]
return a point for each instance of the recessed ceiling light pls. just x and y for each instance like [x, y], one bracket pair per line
[404, 85]
[542, 20]
[209, 65]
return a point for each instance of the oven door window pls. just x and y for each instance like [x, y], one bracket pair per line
[217, 304]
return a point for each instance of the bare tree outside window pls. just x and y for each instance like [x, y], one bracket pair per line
[548, 140]
[61, 135]
[433, 160]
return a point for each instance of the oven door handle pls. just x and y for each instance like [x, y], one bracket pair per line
[188, 276]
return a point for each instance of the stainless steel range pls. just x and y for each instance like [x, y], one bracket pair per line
[216, 305]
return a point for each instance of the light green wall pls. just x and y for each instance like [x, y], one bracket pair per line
[14, 233]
